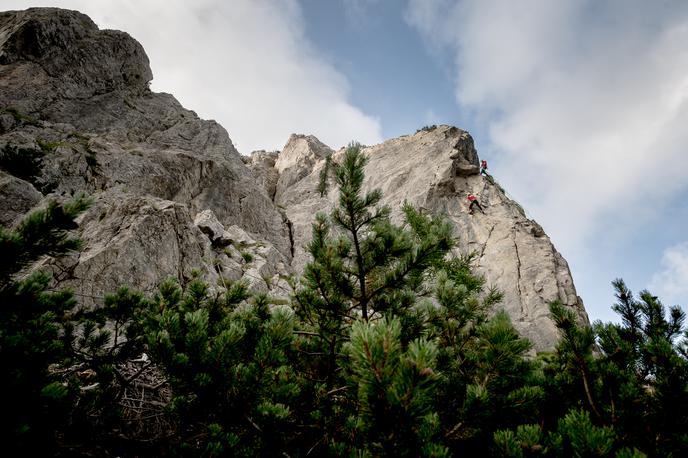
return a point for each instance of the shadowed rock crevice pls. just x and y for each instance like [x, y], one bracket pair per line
[291, 236]
[518, 276]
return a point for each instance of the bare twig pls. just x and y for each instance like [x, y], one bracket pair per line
[253, 424]
[337, 390]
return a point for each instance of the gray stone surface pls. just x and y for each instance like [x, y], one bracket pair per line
[435, 170]
[86, 90]
[137, 241]
[172, 194]
[16, 198]
[209, 225]
[262, 166]
[296, 161]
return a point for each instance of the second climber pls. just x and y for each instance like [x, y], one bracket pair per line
[474, 202]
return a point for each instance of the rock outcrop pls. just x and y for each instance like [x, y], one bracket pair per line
[174, 198]
[434, 170]
[16, 198]
[80, 95]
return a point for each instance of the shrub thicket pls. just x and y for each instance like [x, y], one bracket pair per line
[390, 348]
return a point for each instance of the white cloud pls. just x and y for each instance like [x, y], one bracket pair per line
[586, 102]
[357, 11]
[671, 282]
[246, 64]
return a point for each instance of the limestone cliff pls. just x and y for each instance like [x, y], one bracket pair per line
[172, 194]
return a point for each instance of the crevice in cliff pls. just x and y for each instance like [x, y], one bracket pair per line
[291, 235]
[179, 240]
[518, 273]
[489, 235]
[241, 206]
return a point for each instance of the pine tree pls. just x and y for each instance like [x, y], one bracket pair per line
[486, 382]
[228, 363]
[576, 435]
[612, 388]
[99, 342]
[380, 261]
[644, 370]
[363, 268]
[575, 366]
[395, 392]
[31, 322]
[63, 381]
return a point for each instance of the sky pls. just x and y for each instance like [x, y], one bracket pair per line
[580, 106]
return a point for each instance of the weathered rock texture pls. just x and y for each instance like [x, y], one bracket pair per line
[16, 198]
[435, 170]
[173, 197]
[81, 95]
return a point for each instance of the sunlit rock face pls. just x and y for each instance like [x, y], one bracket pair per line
[435, 170]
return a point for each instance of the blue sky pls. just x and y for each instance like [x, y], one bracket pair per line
[580, 106]
[391, 72]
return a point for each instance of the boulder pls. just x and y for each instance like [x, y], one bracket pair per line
[209, 225]
[16, 198]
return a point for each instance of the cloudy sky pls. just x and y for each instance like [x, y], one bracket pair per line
[581, 106]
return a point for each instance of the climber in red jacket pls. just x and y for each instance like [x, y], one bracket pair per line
[483, 168]
[474, 201]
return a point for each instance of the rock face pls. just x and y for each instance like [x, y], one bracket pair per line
[513, 252]
[80, 95]
[16, 198]
[173, 197]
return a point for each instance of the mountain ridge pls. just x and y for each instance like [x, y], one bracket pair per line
[172, 194]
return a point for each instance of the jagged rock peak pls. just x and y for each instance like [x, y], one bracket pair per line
[262, 166]
[463, 151]
[297, 160]
[79, 96]
[69, 46]
[301, 150]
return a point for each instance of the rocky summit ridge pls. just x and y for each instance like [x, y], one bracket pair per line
[172, 195]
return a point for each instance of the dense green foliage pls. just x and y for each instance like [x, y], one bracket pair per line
[391, 347]
[30, 324]
[613, 389]
[228, 365]
[60, 360]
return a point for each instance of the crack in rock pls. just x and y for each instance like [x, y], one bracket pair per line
[518, 272]
[482, 251]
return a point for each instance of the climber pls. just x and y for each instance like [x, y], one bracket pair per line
[474, 201]
[483, 168]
